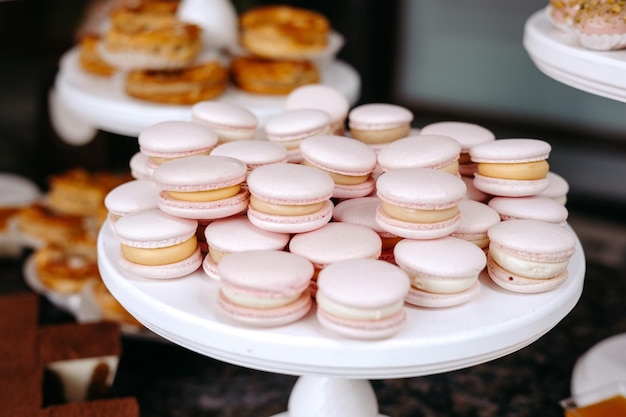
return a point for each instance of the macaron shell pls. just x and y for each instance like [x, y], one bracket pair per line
[339, 154]
[154, 229]
[533, 208]
[237, 233]
[132, 197]
[363, 329]
[557, 188]
[509, 188]
[286, 183]
[291, 224]
[320, 97]
[360, 210]
[200, 173]
[176, 139]
[224, 116]
[210, 267]
[425, 151]
[467, 134]
[168, 271]
[420, 298]
[511, 151]
[266, 317]
[297, 124]
[476, 219]
[354, 191]
[519, 284]
[218, 209]
[411, 230]
[253, 153]
[379, 116]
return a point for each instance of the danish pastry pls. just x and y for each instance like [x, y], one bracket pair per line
[276, 77]
[90, 59]
[65, 269]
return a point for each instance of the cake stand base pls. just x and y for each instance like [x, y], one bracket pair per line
[314, 396]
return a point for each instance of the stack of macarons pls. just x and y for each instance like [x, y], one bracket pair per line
[308, 212]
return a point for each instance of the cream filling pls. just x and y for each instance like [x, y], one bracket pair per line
[284, 209]
[373, 137]
[341, 179]
[441, 286]
[216, 254]
[206, 195]
[452, 168]
[357, 313]
[158, 160]
[160, 256]
[523, 171]
[247, 300]
[419, 215]
[525, 267]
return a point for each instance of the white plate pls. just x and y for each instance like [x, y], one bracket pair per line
[494, 324]
[103, 102]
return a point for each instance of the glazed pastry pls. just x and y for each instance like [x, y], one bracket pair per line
[273, 77]
[90, 59]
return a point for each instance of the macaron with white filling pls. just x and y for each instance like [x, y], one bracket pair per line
[529, 256]
[347, 161]
[264, 287]
[467, 134]
[290, 127]
[362, 298]
[444, 272]
[322, 97]
[254, 153]
[237, 234]
[419, 203]
[154, 244]
[511, 167]
[202, 187]
[289, 198]
[421, 151]
[231, 122]
[530, 208]
[476, 219]
[168, 140]
[378, 124]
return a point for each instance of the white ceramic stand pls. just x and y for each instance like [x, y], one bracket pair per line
[334, 370]
[602, 73]
[101, 102]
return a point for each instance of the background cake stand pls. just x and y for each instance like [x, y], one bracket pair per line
[602, 73]
[334, 371]
[102, 103]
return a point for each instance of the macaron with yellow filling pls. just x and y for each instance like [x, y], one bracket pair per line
[423, 151]
[169, 140]
[378, 124]
[202, 187]
[419, 203]
[349, 163]
[511, 167]
[154, 244]
[289, 198]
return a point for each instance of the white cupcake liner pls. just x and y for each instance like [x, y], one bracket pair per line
[601, 42]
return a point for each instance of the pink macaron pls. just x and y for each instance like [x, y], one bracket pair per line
[558, 188]
[421, 151]
[362, 298]
[531, 208]
[476, 219]
[131, 197]
[334, 242]
[231, 122]
[138, 165]
[419, 203]
[529, 256]
[444, 272]
[378, 124]
[321, 97]
[473, 193]
[289, 198]
[264, 287]
[349, 163]
[237, 234]
[467, 134]
[511, 167]
[202, 187]
[155, 244]
[254, 153]
[290, 127]
[175, 139]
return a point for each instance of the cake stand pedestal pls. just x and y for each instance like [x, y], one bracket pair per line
[601, 73]
[334, 371]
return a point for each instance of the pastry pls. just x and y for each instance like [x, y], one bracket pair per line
[283, 32]
[109, 307]
[231, 122]
[421, 151]
[169, 140]
[511, 167]
[38, 226]
[272, 77]
[601, 25]
[90, 59]
[531, 208]
[149, 40]
[322, 97]
[237, 234]
[467, 134]
[379, 123]
[563, 12]
[154, 244]
[290, 127]
[202, 187]
[289, 198]
[349, 162]
[419, 203]
[443, 272]
[254, 153]
[362, 298]
[529, 256]
[476, 219]
[16, 193]
[188, 85]
[264, 287]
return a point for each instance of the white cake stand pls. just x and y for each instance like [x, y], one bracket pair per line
[604, 74]
[102, 102]
[333, 370]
